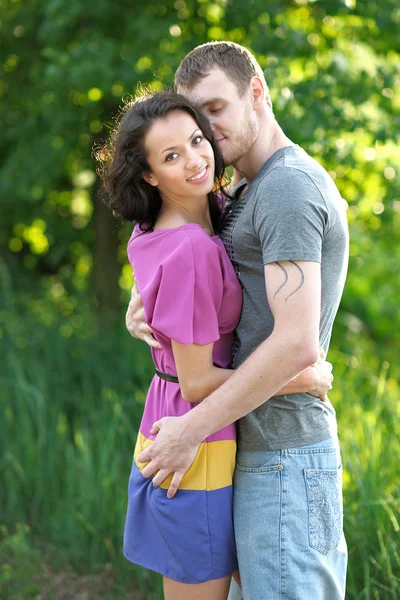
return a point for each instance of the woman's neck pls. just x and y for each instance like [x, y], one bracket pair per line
[173, 214]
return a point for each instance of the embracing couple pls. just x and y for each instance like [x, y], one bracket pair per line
[237, 291]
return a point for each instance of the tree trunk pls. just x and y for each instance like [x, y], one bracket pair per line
[106, 268]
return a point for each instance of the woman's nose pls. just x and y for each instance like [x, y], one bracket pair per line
[194, 160]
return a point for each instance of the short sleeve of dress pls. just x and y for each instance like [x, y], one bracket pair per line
[182, 287]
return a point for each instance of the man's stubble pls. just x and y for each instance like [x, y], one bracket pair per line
[242, 143]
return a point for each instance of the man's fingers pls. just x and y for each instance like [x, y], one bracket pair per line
[144, 328]
[135, 303]
[151, 469]
[152, 342]
[174, 485]
[130, 321]
[134, 291]
[138, 309]
[147, 335]
[160, 477]
[145, 455]
[138, 328]
[155, 428]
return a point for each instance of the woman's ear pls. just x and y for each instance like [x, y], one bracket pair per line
[150, 179]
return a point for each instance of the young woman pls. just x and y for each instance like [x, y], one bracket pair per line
[162, 169]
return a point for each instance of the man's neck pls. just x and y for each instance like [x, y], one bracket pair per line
[262, 149]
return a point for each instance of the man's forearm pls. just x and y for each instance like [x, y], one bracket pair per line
[268, 369]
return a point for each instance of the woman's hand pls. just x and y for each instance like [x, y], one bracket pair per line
[321, 377]
[135, 320]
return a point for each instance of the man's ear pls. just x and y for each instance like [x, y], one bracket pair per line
[257, 91]
[150, 179]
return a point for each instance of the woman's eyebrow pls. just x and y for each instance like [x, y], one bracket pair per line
[173, 147]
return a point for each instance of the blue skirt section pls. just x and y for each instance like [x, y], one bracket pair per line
[188, 538]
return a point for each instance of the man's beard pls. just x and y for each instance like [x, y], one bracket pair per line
[242, 143]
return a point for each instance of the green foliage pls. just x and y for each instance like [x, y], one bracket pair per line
[71, 410]
[71, 407]
[333, 69]
[72, 391]
[19, 564]
[366, 400]
[29, 571]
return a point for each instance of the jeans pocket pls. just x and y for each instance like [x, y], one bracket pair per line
[325, 508]
[258, 462]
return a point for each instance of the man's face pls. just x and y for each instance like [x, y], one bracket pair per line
[232, 117]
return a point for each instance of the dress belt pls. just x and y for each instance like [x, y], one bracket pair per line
[167, 377]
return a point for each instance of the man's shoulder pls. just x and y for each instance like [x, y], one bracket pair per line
[289, 163]
[294, 171]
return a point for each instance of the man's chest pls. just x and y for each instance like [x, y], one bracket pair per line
[239, 236]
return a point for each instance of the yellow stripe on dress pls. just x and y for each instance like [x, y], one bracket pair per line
[212, 468]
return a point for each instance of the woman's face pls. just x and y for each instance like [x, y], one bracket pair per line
[180, 157]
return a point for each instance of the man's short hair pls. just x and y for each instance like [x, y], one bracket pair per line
[237, 62]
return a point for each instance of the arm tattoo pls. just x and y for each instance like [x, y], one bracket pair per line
[301, 280]
[287, 277]
[285, 282]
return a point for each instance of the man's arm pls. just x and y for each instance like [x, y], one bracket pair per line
[316, 380]
[294, 295]
[135, 320]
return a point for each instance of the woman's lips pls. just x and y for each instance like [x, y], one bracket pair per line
[200, 176]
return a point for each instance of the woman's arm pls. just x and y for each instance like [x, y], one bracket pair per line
[197, 374]
[315, 380]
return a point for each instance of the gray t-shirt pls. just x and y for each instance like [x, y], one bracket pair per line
[291, 211]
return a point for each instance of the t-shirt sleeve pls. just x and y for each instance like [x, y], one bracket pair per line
[183, 298]
[290, 216]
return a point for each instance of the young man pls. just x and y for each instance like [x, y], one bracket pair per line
[286, 234]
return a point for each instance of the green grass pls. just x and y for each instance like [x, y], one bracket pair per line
[367, 403]
[71, 409]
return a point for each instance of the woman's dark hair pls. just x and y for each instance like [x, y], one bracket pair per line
[123, 160]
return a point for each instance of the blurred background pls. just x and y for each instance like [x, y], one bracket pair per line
[72, 380]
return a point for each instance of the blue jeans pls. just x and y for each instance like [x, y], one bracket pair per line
[288, 516]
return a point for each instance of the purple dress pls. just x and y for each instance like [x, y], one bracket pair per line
[191, 295]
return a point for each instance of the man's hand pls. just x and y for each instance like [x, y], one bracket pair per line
[171, 453]
[135, 320]
[323, 377]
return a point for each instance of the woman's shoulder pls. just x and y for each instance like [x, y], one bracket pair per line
[187, 247]
[188, 234]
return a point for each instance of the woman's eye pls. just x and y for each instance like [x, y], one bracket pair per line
[170, 157]
[215, 110]
[197, 139]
